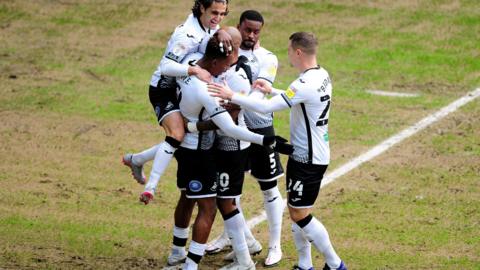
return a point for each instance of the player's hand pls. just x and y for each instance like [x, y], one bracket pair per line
[282, 146]
[263, 86]
[229, 106]
[225, 41]
[220, 90]
[278, 144]
[200, 73]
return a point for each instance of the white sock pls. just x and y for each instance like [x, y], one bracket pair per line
[317, 234]
[195, 250]
[273, 203]
[180, 233]
[304, 248]
[162, 158]
[237, 238]
[246, 230]
[146, 155]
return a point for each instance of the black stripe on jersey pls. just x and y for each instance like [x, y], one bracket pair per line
[265, 79]
[199, 143]
[309, 134]
[201, 25]
[284, 96]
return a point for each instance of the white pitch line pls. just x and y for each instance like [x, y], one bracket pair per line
[385, 145]
[391, 94]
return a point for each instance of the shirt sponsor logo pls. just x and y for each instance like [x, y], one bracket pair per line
[195, 186]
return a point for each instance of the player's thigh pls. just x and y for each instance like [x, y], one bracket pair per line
[174, 126]
[196, 173]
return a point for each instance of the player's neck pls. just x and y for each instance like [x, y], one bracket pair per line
[203, 63]
[307, 63]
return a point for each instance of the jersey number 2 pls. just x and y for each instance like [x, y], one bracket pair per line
[322, 121]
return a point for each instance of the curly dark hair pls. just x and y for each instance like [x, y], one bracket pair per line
[206, 4]
[213, 50]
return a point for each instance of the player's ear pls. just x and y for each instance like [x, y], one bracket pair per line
[298, 52]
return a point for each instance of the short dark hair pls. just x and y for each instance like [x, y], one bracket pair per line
[213, 50]
[307, 42]
[206, 4]
[251, 15]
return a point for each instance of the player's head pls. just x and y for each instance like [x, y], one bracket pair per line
[210, 12]
[302, 45]
[236, 39]
[216, 60]
[250, 25]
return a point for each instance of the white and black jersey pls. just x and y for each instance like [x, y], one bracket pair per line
[196, 104]
[187, 38]
[309, 97]
[263, 64]
[239, 83]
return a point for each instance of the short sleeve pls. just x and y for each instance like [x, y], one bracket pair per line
[268, 68]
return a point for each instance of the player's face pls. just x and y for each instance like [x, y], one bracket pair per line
[292, 55]
[219, 66]
[212, 16]
[250, 31]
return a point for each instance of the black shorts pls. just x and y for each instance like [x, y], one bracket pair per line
[303, 183]
[164, 98]
[264, 163]
[230, 172]
[196, 173]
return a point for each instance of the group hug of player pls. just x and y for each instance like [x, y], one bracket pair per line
[212, 94]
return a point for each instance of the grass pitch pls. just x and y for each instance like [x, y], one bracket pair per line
[74, 78]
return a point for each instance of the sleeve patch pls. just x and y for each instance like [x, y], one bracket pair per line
[272, 71]
[177, 52]
[290, 93]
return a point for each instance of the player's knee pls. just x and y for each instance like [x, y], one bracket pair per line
[176, 133]
[298, 214]
[173, 142]
[230, 214]
[174, 126]
[226, 206]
